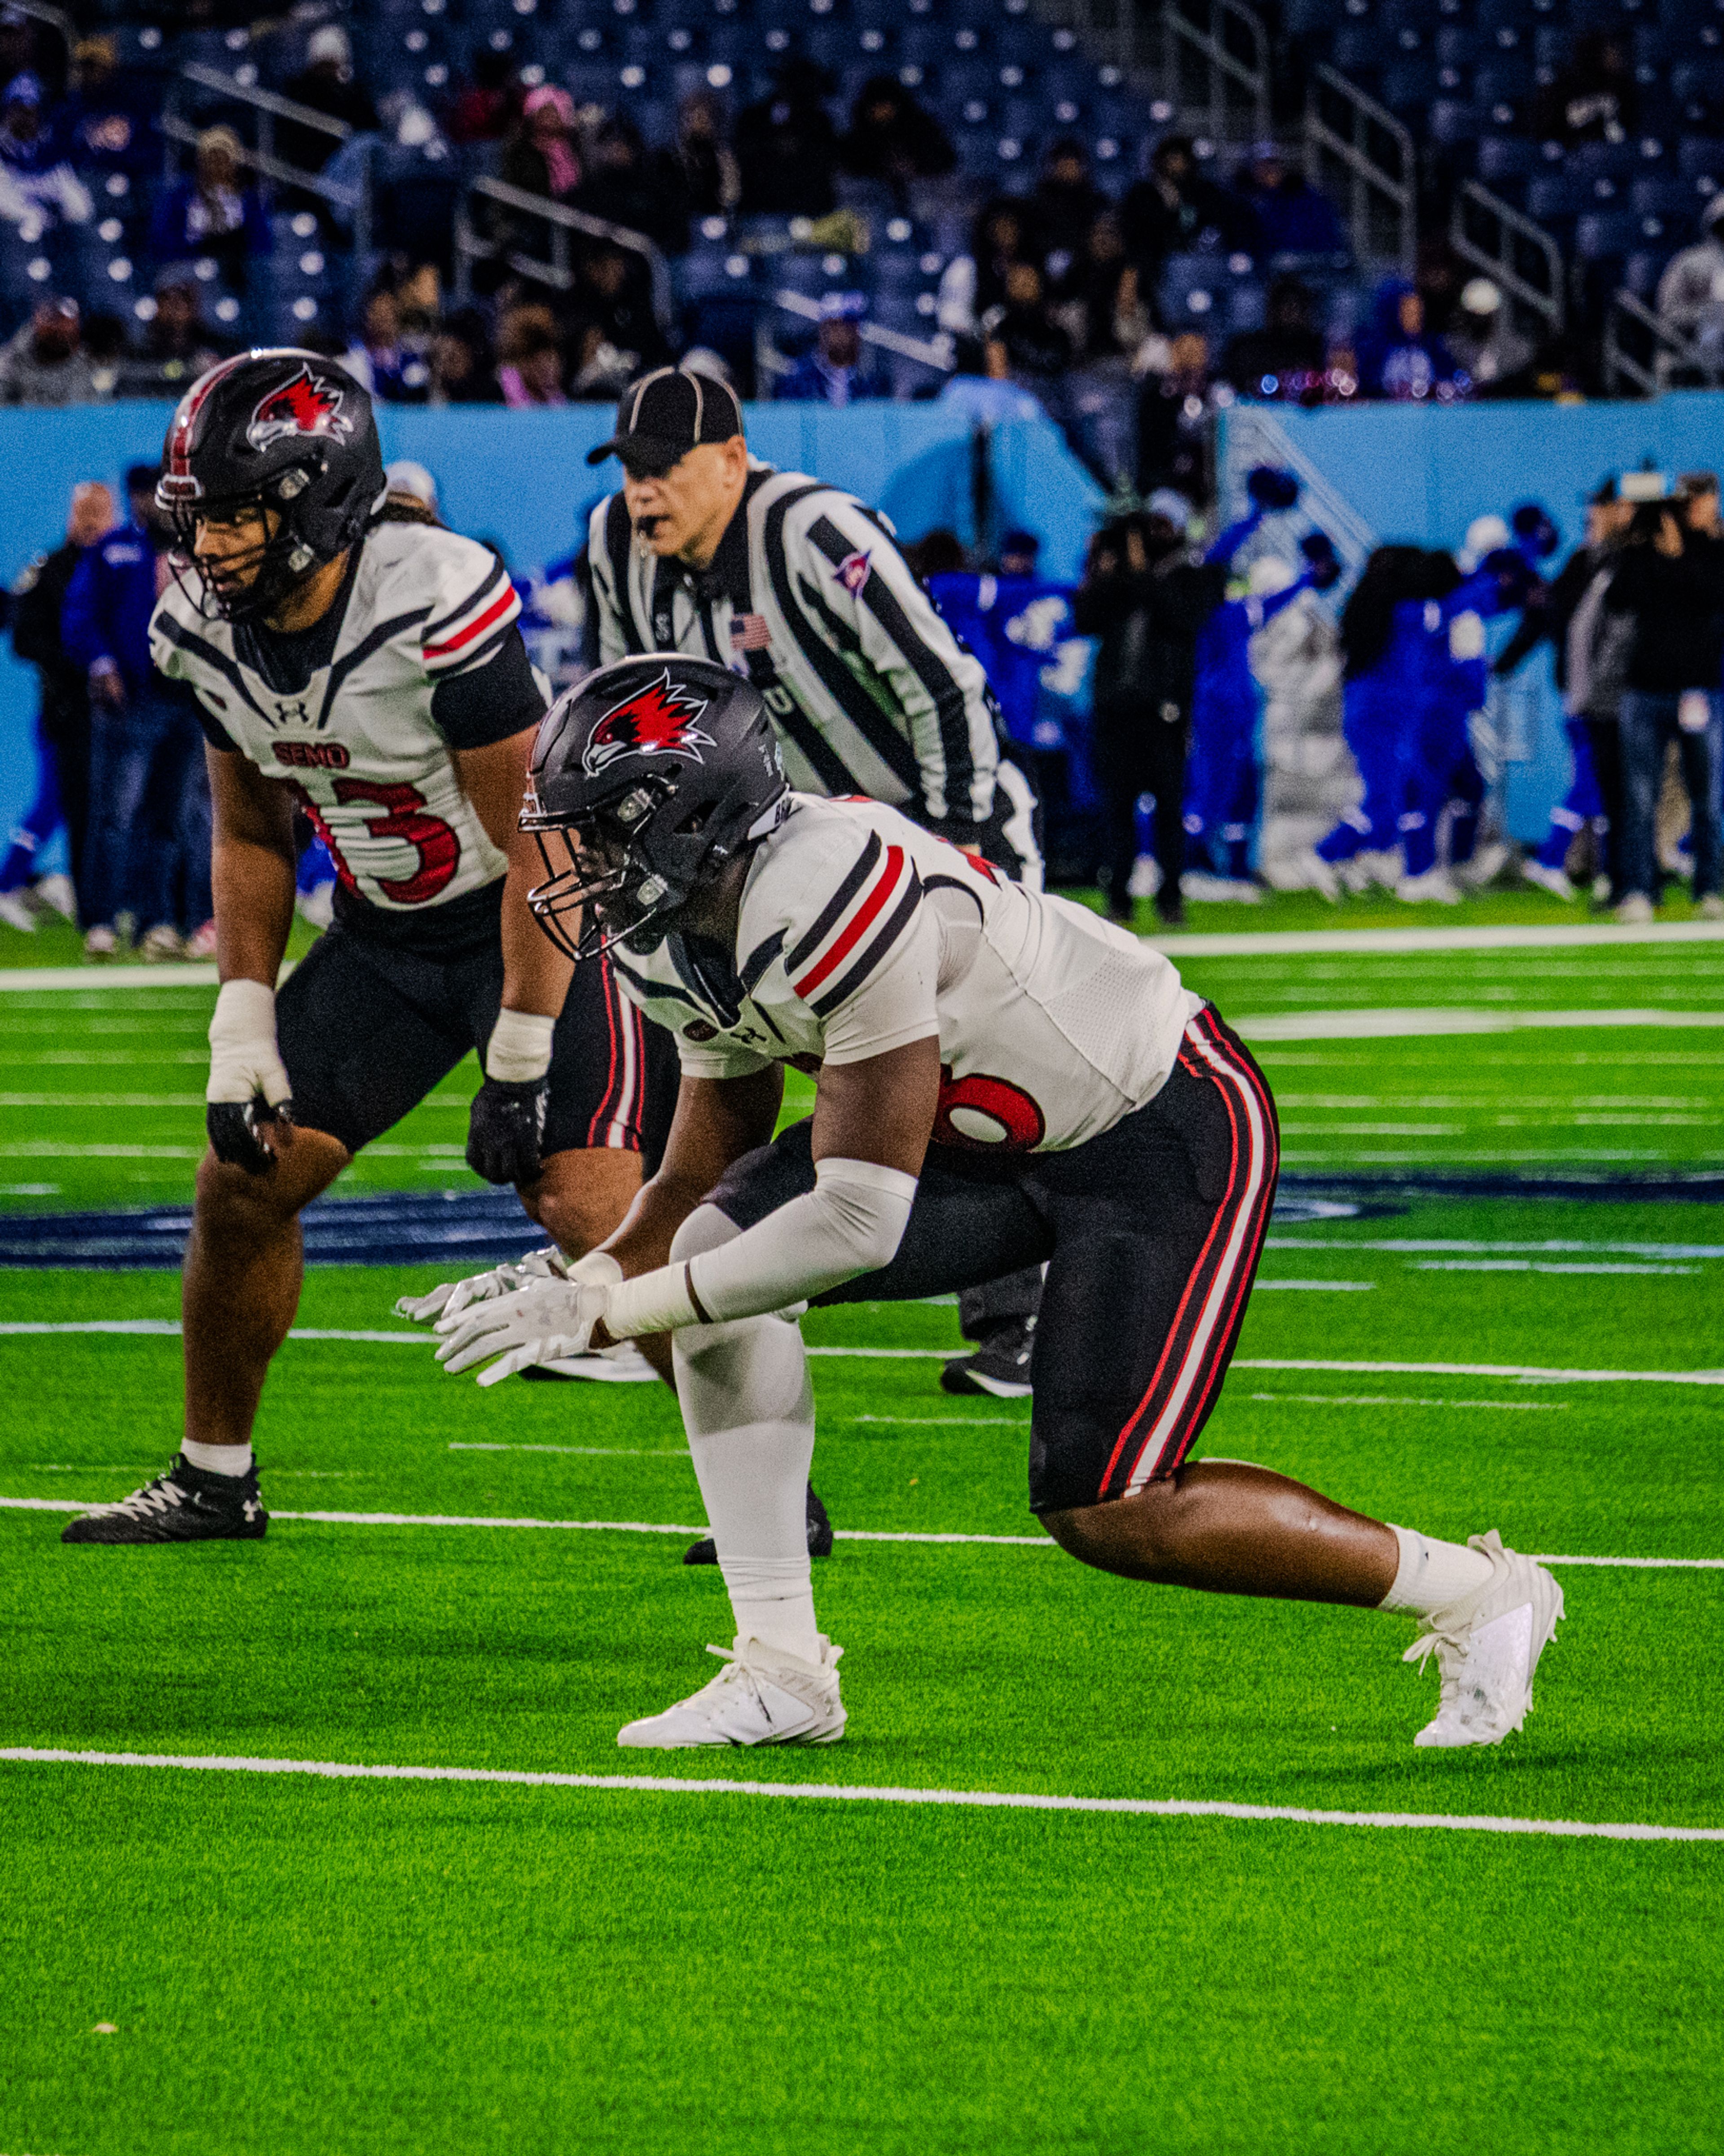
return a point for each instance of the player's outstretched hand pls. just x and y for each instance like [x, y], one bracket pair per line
[248, 1088]
[507, 1129]
[541, 1323]
[450, 1298]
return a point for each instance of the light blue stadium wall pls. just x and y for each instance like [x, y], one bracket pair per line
[520, 478]
[1380, 473]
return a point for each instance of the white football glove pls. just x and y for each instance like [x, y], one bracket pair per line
[451, 1297]
[541, 1323]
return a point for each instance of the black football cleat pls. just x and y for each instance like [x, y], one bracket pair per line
[706, 1550]
[999, 1367]
[183, 1505]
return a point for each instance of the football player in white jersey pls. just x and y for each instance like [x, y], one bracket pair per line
[1003, 1079]
[801, 587]
[353, 658]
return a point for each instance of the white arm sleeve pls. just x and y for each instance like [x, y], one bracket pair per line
[851, 1222]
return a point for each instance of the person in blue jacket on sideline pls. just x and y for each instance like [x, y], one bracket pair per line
[1223, 783]
[148, 843]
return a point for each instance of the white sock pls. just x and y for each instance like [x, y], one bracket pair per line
[749, 1412]
[773, 1599]
[1432, 1574]
[218, 1459]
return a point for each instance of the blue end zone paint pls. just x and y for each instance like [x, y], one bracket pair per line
[467, 1230]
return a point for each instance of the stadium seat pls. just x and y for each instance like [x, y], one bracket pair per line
[1601, 235]
[1554, 195]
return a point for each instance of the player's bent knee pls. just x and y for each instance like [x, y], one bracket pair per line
[582, 1196]
[231, 1201]
[1130, 1535]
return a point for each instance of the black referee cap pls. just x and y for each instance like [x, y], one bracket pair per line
[664, 415]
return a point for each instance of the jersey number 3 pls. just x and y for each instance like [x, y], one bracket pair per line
[438, 847]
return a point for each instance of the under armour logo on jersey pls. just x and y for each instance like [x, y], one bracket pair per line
[293, 713]
[656, 720]
[307, 404]
[854, 572]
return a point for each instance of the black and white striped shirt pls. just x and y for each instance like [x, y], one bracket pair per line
[809, 596]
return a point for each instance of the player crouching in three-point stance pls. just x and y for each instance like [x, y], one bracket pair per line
[365, 665]
[1003, 1079]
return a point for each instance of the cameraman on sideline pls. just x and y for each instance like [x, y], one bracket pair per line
[1669, 582]
[1145, 599]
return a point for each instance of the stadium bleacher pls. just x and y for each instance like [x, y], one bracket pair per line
[1595, 128]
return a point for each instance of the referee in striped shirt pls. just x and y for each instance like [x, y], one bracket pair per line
[801, 587]
[797, 585]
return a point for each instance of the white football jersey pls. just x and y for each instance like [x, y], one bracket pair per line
[358, 744]
[860, 932]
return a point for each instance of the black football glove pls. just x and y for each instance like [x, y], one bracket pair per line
[507, 1128]
[234, 1127]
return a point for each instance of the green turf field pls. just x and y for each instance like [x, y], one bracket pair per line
[301, 1963]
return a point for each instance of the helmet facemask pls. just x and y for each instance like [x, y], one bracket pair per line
[602, 889]
[279, 560]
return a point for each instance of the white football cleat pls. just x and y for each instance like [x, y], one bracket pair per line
[1145, 879]
[1203, 889]
[1378, 869]
[1551, 879]
[1487, 1646]
[17, 913]
[1434, 888]
[762, 1695]
[1635, 911]
[1310, 871]
[1482, 869]
[54, 894]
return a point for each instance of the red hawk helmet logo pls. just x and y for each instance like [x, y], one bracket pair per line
[307, 404]
[656, 720]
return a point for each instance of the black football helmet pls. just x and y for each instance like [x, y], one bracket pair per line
[645, 780]
[285, 431]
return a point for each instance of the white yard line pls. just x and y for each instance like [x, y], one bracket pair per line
[1390, 1400]
[1524, 1373]
[682, 1528]
[665, 1785]
[21, 979]
[1275, 943]
[1521, 1373]
[1534, 1265]
[1375, 1024]
[1551, 1245]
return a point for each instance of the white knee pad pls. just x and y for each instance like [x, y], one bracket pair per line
[750, 1370]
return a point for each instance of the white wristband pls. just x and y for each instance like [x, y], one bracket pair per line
[518, 1050]
[243, 1058]
[657, 1301]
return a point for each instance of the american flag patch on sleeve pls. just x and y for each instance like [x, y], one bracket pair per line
[749, 632]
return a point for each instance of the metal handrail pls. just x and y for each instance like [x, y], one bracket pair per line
[1186, 40]
[1501, 263]
[1670, 350]
[56, 18]
[559, 271]
[266, 100]
[937, 353]
[269, 108]
[1369, 179]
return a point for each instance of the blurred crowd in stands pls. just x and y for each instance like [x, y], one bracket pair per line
[1126, 307]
